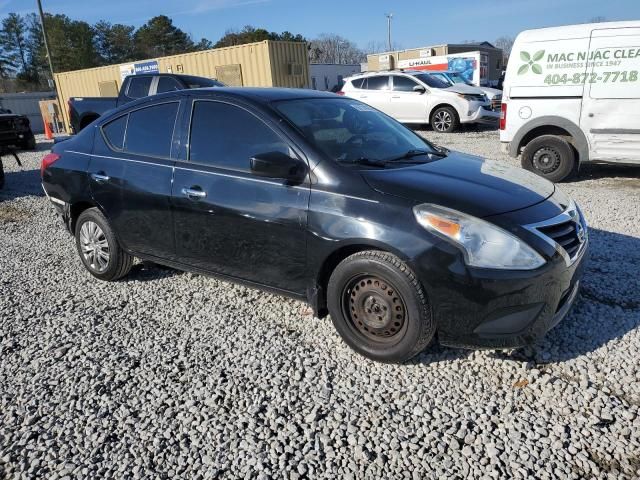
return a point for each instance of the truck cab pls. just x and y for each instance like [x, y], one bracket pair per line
[84, 110]
[571, 96]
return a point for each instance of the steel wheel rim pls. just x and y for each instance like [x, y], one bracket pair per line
[546, 160]
[94, 246]
[442, 121]
[374, 309]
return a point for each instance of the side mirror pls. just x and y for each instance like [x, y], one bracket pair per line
[420, 89]
[278, 165]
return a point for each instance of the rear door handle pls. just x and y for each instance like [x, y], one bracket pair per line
[193, 193]
[100, 177]
[395, 96]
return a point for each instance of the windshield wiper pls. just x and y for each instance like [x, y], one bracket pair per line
[415, 153]
[365, 161]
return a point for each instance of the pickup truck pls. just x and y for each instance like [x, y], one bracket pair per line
[84, 110]
[15, 131]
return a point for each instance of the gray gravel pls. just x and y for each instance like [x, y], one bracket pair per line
[174, 375]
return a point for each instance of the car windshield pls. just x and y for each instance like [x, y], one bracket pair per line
[457, 78]
[352, 132]
[199, 82]
[432, 81]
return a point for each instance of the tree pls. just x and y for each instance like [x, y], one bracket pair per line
[114, 43]
[506, 44]
[332, 48]
[203, 44]
[13, 38]
[159, 37]
[250, 34]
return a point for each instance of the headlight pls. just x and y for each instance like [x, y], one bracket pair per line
[472, 97]
[483, 244]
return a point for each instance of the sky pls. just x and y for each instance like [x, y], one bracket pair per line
[414, 23]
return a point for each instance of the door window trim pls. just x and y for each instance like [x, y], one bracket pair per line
[281, 135]
[142, 107]
[124, 137]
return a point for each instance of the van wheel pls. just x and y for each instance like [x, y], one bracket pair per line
[550, 157]
[98, 247]
[379, 308]
[444, 120]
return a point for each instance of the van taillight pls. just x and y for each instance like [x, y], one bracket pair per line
[503, 116]
[47, 161]
[341, 93]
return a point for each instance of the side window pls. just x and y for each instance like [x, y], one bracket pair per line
[357, 83]
[167, 84]
[227, 136]
[378, 83]
[403, 84]
[150, 130]
[114, 131]
[138, 87]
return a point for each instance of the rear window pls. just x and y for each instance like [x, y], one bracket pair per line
[114, 131]
[378, 83]
[138, 87]
[150, 130]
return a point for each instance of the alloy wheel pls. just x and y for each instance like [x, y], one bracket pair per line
[95, 247]
[442, 121]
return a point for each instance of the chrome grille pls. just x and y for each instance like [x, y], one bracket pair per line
[564, 234]
[567, 232]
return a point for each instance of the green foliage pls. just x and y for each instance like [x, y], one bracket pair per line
[76, 45]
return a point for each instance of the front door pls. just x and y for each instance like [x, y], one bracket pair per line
[406, 104]
[376, 91]
[226, 219]
[130, 178]
[610, 115]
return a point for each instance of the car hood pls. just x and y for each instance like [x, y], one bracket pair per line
[465, 183]
[462, 88]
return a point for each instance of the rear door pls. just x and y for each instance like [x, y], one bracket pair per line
[407, 105]
[130, 175]
[376, 91]
[610, 114]
[226, 219]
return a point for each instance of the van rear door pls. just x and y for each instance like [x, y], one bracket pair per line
[611, 104]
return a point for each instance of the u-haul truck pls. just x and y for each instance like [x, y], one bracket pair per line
[572, 95]
[473, 66]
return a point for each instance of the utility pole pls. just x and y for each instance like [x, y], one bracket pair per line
[46, 41]
[389, 17]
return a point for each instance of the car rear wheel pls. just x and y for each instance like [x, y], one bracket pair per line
[98, 247]
[379, 308]
[550, 157]
[444, 120]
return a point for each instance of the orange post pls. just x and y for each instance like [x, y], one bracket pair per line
[47, 131]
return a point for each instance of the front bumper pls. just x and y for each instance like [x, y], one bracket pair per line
[482, 115]
[499, 309]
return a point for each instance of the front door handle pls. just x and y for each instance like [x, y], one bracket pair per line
[395, 96]
[193, 193]
[100, 177]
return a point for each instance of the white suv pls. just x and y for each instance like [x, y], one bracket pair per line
[418, 97]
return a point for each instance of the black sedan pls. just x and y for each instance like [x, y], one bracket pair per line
[327, 200]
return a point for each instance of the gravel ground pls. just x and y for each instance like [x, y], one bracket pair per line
[174, 375]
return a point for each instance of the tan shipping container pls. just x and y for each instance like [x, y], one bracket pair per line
[261, 64]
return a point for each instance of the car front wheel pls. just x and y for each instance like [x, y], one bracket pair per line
[379, 308]
[444, 120]
[98, 247]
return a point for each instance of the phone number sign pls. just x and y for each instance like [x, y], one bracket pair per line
[146, 67]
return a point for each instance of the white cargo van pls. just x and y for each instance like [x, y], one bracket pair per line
[571, 96]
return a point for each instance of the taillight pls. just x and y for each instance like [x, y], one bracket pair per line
[48, 160]
[503, 116]
[340, 92]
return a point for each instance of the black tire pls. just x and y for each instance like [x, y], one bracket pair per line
[29, 143]
[550, 157]
[395, 322]
[118, 263]
[445, 120]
